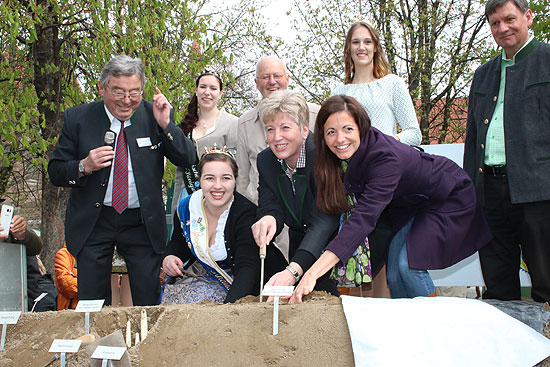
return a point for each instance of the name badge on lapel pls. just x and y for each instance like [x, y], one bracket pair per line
[144, 142]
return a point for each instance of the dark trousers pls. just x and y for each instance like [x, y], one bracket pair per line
[276, 262]
[514, 225]
[127, 232]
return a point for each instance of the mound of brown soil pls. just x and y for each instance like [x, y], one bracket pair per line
[312, 333]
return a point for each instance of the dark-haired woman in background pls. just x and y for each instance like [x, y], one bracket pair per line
[206, 125]
[430, 201]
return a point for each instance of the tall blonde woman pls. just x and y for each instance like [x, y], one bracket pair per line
[388, 103]
[368, 79]
[207, 125]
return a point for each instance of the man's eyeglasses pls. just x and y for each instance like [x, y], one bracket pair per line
[277, 77]
[119, 94]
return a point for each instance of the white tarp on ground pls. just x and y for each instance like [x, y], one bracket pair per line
[439, 331]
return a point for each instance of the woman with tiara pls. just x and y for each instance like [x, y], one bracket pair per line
[212, 254]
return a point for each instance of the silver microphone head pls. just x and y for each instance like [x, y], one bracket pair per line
[109, 137]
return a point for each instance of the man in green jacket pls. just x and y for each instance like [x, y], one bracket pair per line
[507, 152]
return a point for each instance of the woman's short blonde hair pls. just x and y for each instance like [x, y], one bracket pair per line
[289, 102]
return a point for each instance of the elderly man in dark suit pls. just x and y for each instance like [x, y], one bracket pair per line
[287, 192]
[507, 152]
[116, 196]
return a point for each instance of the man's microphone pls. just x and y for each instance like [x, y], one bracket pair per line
[109, 140]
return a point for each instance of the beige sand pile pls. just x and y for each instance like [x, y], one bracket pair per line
[312, 333]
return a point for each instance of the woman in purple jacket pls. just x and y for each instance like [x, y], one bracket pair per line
[430, 201]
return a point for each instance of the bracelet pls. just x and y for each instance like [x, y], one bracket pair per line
[293, 271]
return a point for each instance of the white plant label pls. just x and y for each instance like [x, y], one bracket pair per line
[9, 317]
[65, 346]
[278, 291]
[112, 353]
[89, 305]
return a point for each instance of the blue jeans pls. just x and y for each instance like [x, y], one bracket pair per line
[405, 282]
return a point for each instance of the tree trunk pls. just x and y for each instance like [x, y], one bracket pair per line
[54, 202]
[45, 55]
[5, 173]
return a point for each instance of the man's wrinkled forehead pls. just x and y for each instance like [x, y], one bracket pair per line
[271, 65]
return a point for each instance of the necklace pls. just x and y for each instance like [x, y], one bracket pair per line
[363, 76]
[204, 121]
[202, 126]
[364, 82]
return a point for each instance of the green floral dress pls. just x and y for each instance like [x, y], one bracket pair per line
[357, 270]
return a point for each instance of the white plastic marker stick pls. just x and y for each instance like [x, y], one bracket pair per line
[38, 300]
[87, 322]
[63, 346]
[7, 318]
[3, 342]
[88, 306]
[143, 325]
[108, 354]
[276, 292]
[128, 334]
[275, 315]
[263, 253]
[137, 338]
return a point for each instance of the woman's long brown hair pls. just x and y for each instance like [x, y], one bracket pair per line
[192, 115]
[381, 68]
[331, 194]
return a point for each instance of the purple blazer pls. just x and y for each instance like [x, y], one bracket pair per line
[449, 223]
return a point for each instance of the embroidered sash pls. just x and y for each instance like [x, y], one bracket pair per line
[194, 225]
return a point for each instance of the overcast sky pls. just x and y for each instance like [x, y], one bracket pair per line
[280, 23]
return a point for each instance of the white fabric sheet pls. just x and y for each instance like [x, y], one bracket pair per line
[439, 331]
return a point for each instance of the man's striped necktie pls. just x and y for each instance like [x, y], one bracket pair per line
[120, 173]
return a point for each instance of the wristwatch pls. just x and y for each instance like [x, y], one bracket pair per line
[81, 168]
[293, 271]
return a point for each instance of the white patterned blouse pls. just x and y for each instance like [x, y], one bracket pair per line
[388, 103]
